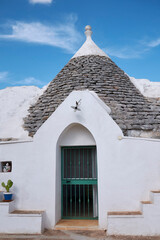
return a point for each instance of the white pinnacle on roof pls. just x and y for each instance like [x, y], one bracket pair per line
[89, 47]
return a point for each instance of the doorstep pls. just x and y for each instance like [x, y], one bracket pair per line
[76, 224]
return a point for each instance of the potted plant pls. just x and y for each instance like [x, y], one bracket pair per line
[7, 194]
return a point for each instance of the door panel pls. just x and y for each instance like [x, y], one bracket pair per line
[79, 182]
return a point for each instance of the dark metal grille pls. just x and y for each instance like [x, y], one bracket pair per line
[79, 182]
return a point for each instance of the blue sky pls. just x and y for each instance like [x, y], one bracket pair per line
[38, 37]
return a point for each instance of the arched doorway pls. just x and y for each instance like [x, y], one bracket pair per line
[79, 194]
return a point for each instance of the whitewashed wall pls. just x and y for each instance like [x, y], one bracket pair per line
[76, 135]
[127, 169]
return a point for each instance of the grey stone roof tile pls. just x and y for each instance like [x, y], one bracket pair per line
[129, 108]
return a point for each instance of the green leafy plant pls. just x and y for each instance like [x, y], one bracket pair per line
[8, 185]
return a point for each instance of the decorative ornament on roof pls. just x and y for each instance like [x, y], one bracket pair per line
[88, 31]
[89, 47]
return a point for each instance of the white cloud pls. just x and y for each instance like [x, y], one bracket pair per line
[30, 81]
[3, 76]
[126, 52]
[6, 78]
[154, 43]
[64, 35]
[40, 1]
[137, 50]
[120, 53]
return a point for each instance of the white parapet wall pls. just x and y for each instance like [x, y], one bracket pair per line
[19, 222]
[146, 223]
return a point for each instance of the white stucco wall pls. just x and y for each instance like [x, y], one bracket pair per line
[127, 169]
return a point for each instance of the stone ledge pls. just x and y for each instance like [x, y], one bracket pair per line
[123, 213]
[26, 212]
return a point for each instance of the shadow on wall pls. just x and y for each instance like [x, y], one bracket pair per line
[76, 135]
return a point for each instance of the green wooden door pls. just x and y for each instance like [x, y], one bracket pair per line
[79, 183]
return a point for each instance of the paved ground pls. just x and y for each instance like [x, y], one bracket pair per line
[73, 235]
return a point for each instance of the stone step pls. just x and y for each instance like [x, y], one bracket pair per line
[76, 224]
[155, 196]
[146, 202]
[27, 212]
[140, 223]
[73, 228]
[124, 213]
[6, 207]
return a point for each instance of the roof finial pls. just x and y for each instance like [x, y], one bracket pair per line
[88, 31]
[89, 47]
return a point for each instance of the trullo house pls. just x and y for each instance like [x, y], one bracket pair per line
[92, 152]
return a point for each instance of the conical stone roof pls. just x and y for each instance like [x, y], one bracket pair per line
[97, 72]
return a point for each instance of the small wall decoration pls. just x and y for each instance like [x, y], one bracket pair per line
[6, 167]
